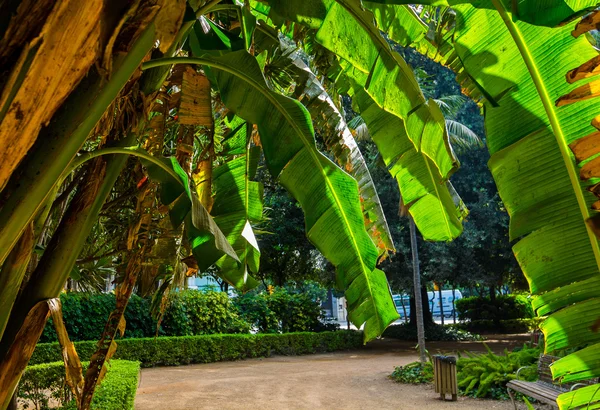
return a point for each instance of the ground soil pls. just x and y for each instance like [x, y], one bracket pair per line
[342, 380]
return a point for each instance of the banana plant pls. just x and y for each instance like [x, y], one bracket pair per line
[328, 196]
[530, 128]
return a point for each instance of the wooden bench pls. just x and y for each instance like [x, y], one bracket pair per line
[544, 389]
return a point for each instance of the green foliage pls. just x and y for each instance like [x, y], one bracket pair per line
[85, 315]
[46, 381]
[328, 196]
[505, 307]
[282, 311]
[486, 375]
[190, 312]
[193, 312]
[173, 351]
[502, 326]
[433, 332]
[413, 373]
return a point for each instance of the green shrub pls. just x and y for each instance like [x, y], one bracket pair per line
[282, 311]
[85, 315]
[194, 312]
[486, 375]
[177, 350]
[44, 381]
[505, 307]
[254, 308]
[434, 332]
[502, 326]
[413, 373]
[190, 312]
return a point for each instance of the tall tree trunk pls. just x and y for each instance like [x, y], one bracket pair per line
[441, 303]
[417, 286]
[453, 304]
[425, 305]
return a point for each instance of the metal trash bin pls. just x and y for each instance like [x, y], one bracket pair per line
[444, 371]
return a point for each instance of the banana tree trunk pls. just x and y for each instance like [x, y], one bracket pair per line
[14, 361]
[36, 86]
[58, 260]
[417, 286]
[61, 140]
[13, 271]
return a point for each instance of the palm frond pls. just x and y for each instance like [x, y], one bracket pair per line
[462, 137]
[450, 104]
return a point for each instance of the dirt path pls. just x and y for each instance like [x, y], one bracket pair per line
[342, 380]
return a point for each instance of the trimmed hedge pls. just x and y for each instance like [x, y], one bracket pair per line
[116, 392]
[502, 326]
[433, 332]
[177, 350]
[505, 307]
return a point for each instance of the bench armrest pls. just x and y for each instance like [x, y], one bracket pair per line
[577, 386]
[518, 371]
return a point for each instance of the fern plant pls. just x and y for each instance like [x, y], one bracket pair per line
[486, 375]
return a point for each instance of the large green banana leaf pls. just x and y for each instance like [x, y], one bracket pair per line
[432, 39]
[348, 30]
[238, 203]
[539, 12]
[328, 195]
[421, 186]
[523, 68]
[338, 139]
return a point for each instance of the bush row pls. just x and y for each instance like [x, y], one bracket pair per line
[46, 381]
[282, 311]
[501, 326]
[191, 312]
[504, 307]
[433, 332]
[170, 351]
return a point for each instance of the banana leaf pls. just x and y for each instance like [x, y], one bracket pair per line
[538, 12]
[537, 178]
[422, 188]
[238, 203]
[587, 398]
[348, 30]
[339, 141]
[184, 205]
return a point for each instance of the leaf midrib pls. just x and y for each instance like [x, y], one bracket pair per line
[552, 117]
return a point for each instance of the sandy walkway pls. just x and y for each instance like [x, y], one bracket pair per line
[342, 380]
